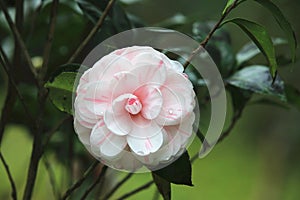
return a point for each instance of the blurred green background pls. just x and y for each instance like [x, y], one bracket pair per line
[258, 161]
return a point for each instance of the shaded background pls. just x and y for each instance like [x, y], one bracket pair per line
[260, 158]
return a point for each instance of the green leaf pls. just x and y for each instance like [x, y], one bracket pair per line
[257, 79]
[261, 38]
[283, 23]
[175, 20]
[163, 186]
[239, 97]
[61, 87]
[250, 50]
[293, 96]
[89, 10]
[229, 3]
[179, 172]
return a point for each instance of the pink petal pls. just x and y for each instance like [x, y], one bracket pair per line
[117, 119]
[151, 99]
[154, 73]
[98, 97]
[103, 142]
[172, 108]
[126, 82]
[107, 66]
[145, 137]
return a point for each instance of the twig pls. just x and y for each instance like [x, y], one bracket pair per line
[210, 34]
[93, 31]
[145, 186]
[235, 118]
[80, 181]
[5, 63]
[51, 175]
[50, 133]
[97, 181]
[49, 41]
[11, 180]
[117, 186]
[18, 38]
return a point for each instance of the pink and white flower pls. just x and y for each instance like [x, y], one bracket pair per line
[134, 107]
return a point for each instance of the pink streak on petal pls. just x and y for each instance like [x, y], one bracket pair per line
[95, 100]
[103, 139]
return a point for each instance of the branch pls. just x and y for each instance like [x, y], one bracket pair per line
[117, 186]
[55, 128]
[235, 118]
[93, 31]
[210, 34]
[18, 38]
[49, 41]
[80, 181]
[86, 193]
[11, 180]
[5, 63]
[145, 186]
[51, 175]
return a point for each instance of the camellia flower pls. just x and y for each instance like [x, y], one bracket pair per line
[134, 107]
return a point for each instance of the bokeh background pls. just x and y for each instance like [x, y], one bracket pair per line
[259, 160]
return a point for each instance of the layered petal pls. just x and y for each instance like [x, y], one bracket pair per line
[116, 118]
[151, 99]
[145, 137]
[105, 143]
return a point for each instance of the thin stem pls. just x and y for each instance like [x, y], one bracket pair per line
[5, 63]
[80, 181]
[235, 118]
[210, 34]
[93, 31]
[97, 181]
[18, 38]
[143, 187]
[55, 128]
[49, 41]
[11, 180]
[51, 175]
[118, 185]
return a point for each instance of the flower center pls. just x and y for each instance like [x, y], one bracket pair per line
[133, 105]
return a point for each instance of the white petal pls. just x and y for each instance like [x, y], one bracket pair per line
[82, 132]
[177, 66]
[117, 119]
[144, 140]
[105, 143]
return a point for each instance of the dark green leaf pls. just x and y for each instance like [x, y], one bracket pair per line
[179, 172]
[163, 186]
[250, 50]
[261, 38]
[175, 20]
[229, 3]
[89, 10]
[61, 87]
[283, 23]
[257, 79]
[293, 96]
[239, 97]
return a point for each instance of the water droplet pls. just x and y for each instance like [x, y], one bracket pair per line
[170, 111]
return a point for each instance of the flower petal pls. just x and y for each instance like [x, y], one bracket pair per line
[151, 99]
[105, 143]
[82, 132]
[154, 73]
[98, 97]
[126, 82]
[117, 119]
[145, 138]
